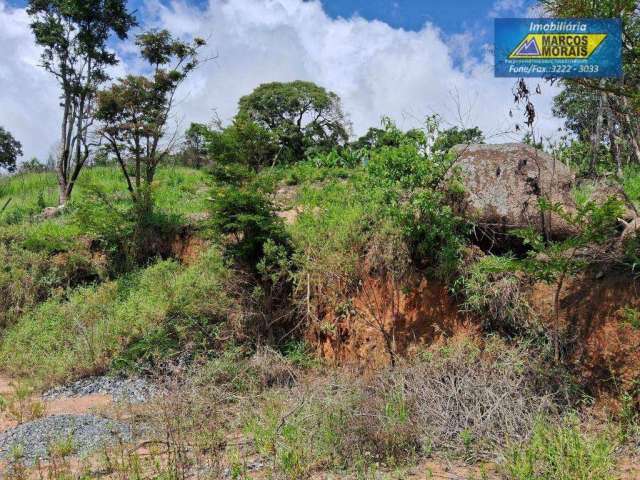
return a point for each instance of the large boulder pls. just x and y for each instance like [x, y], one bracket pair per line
[503, 184]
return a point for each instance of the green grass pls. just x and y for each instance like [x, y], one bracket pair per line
[177, 190]
[330, 234]
[343, 428]
[307, 172]
[631, 183]
[562, 452]
[134, 318]
[29, 194]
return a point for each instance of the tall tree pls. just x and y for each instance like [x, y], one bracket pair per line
[604, 112]
[134, 111]
[303, 116]
[10, 150]
[629, 12]
[74, 36]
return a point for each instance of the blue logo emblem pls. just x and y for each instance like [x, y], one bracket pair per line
[558, 47]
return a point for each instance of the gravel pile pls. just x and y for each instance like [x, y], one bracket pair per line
[86, 432]
[134, 390]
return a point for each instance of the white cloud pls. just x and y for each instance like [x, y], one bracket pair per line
[376, 69]
[28, 95]
[507, 7]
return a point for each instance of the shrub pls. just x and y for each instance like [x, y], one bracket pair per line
[562, 452]
[494, 288]
[248, 217]
[130, 234]
[457, 400]
[473, 401]
[231, 173]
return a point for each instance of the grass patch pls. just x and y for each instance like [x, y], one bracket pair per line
[177, 190]
[562, 452]
[30, 277]
[149, 314]
[631, 184]
[493, 288]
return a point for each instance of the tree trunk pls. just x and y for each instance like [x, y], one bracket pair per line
[614, 145]
[597, 135]
[634, 131]
[63, 159]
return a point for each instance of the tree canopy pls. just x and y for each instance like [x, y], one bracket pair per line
[135, 110]
[10, 150]
[302, 117]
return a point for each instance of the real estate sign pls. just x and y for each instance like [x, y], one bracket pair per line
[558, 47]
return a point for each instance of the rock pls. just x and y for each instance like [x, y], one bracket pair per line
[85, 433]
[503, 184]
[51, 212]
[130, 390]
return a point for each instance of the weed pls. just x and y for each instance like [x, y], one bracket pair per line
[83, 334]
[631, 316]
[21, 405]
[493, 288]
[562, 452]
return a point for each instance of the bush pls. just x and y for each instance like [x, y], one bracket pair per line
[130, 234]
[458, 400]
[494, 289]
[248, 217]
[472, 401]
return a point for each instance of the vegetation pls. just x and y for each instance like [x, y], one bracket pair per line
[74, 38]
[562, 452]
[134, 111]
[10, 150]
[140, 317]
[279, 123]
[241, 269]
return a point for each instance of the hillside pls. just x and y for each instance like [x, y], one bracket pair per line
[292, 240]
[327, 316]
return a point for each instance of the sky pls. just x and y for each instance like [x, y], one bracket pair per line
[400, 58]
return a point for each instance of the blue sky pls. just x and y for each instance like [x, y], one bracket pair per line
[452, 16]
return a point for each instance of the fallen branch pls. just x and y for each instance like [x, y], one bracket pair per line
[630, 227]
[6, 204]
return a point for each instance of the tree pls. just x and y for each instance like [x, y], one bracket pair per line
[10, 150]
[303, 118]
[194, 149]
[628, 12]
[244, 142]
[602, 121]
[134, 111]
[451, 137]
[388, 136]
[74, 36]
[612, 105]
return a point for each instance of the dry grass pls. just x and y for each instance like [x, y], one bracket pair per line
[473, 402]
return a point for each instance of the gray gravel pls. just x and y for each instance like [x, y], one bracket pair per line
[134, 390]
[86, 432]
